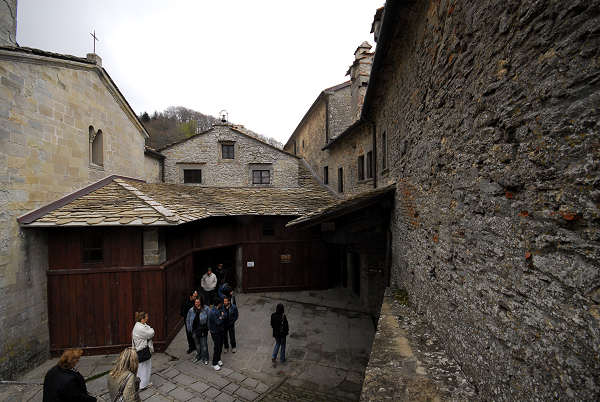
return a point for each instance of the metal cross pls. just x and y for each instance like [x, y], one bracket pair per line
[95, 39]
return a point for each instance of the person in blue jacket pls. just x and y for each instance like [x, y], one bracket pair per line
[196, 324]
[216, 326]
[231, 316]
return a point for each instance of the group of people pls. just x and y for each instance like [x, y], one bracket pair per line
[214, 312]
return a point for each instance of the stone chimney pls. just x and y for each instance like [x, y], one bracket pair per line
[8, 23]
[376, 25]
[359, 73]
[95, 58]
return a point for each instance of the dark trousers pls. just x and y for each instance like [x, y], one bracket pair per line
[190, 339]
[209, 296]
[229, 333]
[201, 345]
[217, 338]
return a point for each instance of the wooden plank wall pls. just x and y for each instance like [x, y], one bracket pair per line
[94, 309]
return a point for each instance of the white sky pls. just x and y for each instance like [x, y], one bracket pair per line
[265, 62]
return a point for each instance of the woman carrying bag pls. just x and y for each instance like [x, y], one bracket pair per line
[123, 384]
[141, 338]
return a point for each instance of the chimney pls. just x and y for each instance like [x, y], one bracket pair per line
[376, 25]
[8, 23]
[359, 73]
[95, 58]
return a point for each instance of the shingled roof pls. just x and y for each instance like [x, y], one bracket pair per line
[342, 207]
[122, 201]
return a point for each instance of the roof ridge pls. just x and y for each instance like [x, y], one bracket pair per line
[169, 215]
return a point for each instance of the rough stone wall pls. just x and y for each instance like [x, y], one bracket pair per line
[45, 112]
[8, 23]
[204, 152]
[340, 112]
[152, 169]
[345, 154]
[492, 111]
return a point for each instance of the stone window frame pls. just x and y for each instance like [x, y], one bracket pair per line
[182, 166]
[262, 167]
[96, 147]
[227, 143]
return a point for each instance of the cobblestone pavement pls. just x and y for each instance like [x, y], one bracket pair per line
[327, 352]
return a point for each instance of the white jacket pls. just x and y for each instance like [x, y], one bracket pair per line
[209, 283]
[141, 336]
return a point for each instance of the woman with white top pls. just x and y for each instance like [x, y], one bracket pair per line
[141, 337]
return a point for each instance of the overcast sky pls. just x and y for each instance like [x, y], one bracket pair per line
[265, 62]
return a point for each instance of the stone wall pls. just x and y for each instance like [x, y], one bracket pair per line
[492, 114]
[152, 169]
[204, 152]
[46, 108]
[8, 23]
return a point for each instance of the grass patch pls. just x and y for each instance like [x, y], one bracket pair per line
[401, 296]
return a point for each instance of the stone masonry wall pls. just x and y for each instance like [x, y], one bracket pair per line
[152, 169]
[340, 111]
[8, 23]
[492, 111]
[204, 152]
[45, 111]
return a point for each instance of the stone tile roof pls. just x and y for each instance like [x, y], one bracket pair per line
[342, 207]
[123, 201]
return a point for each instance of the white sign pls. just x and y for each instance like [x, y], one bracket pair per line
[250, 264]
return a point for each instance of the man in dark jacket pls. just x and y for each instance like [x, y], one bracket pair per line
[63, 383]
[281, 329]
[231, 316]
[221, 275]
[187, 304]
[216, 318]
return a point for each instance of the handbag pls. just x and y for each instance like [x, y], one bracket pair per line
[144, 354]
[119, 397]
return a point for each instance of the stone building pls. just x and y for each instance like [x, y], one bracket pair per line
[227, 156]
[63, 124]
[485, 116]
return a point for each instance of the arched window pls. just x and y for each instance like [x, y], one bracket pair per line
[96, 147]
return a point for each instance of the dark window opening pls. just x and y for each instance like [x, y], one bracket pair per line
[192, 176]
[261, 177]
[326, 175]
[227, 151]
[96, 150]
[93, 247]
[302, 144]
[369, 164]
[341, 180]
[361, 167]
[268, 229]
[295, 148]
[383, 151]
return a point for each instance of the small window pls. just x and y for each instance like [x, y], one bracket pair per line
[361, 167]
[302, 144]
[341, 180]
[326, 175]
[227, 151]
[92, 247]
[96, 146]
[383, 151]
[261, 177]
[285, 258]
[192, 175]
[295, 149]
[369, 164]
[268, 229]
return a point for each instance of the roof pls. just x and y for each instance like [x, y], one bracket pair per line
[321, 96]
[153, 152]
[233, 127]
[74, 61]
[120, 201]
[343, 134]
[343, 207]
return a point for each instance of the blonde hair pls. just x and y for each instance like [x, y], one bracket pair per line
[127, 361]
[69, 358]
[139, 315]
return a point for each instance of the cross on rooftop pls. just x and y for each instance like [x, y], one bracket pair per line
[95, 39]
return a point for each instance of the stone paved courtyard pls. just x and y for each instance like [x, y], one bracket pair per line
[327, 350]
